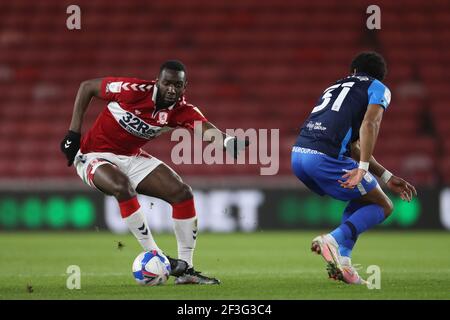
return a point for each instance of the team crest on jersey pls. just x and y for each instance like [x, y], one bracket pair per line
[162, 117]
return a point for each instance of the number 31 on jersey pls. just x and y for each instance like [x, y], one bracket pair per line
[327, 96]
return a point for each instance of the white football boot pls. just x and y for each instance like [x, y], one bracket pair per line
[338, 267]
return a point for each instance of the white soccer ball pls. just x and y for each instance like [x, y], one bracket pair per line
[151, 268]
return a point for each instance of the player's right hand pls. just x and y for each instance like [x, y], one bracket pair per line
[353, 177]
[70, 146]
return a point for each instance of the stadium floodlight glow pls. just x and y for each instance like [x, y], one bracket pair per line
[315, 211]
[32, 213]
[311, 210]
[8, 213]
[82, 212]
[405, 214]
[289, 210]
[408, 212]
[333, 211]
[54, 212]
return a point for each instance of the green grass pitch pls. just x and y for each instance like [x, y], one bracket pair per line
[262, 265]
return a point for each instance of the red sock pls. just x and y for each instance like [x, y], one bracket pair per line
[183, 210]
[128, 207]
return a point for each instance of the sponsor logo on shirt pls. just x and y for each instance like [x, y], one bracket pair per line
[138, 127]
[315, 126]
[134, 124]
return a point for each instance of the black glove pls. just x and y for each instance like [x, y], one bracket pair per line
[234, 146]
[70, 145]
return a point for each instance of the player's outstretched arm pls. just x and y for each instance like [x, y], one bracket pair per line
[71, 142]
[231, 144]
[404, 189]
[87, 90]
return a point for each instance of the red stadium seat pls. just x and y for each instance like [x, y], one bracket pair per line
[251, 64]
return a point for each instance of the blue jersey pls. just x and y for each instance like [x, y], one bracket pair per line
[335, 121]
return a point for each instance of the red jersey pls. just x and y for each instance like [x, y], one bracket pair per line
[130, 118]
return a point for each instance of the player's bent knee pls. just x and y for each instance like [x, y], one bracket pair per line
[182, 193]
[122, 189]
[185, 193]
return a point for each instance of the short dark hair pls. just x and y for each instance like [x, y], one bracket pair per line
[371, 63]
[175, 65]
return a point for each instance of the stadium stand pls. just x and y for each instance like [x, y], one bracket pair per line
[251, 64]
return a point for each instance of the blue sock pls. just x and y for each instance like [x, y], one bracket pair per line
[345, 249]
[361, 220]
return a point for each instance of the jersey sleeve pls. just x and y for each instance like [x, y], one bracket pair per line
[126, 90]
[378, 93]
[187, 116]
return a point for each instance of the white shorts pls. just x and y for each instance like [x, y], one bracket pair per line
[136, 168]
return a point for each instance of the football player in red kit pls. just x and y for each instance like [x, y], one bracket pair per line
[109, 156]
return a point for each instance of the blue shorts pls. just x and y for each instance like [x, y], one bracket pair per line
[321, 173]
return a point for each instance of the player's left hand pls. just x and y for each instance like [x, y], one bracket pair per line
[70, 146]
[353, 177]
[404, 189]
[234, 146]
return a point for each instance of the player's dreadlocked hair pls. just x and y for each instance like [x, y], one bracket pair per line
[371, 63]
[175, 65]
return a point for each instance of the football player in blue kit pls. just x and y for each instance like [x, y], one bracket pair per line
[333, 156]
